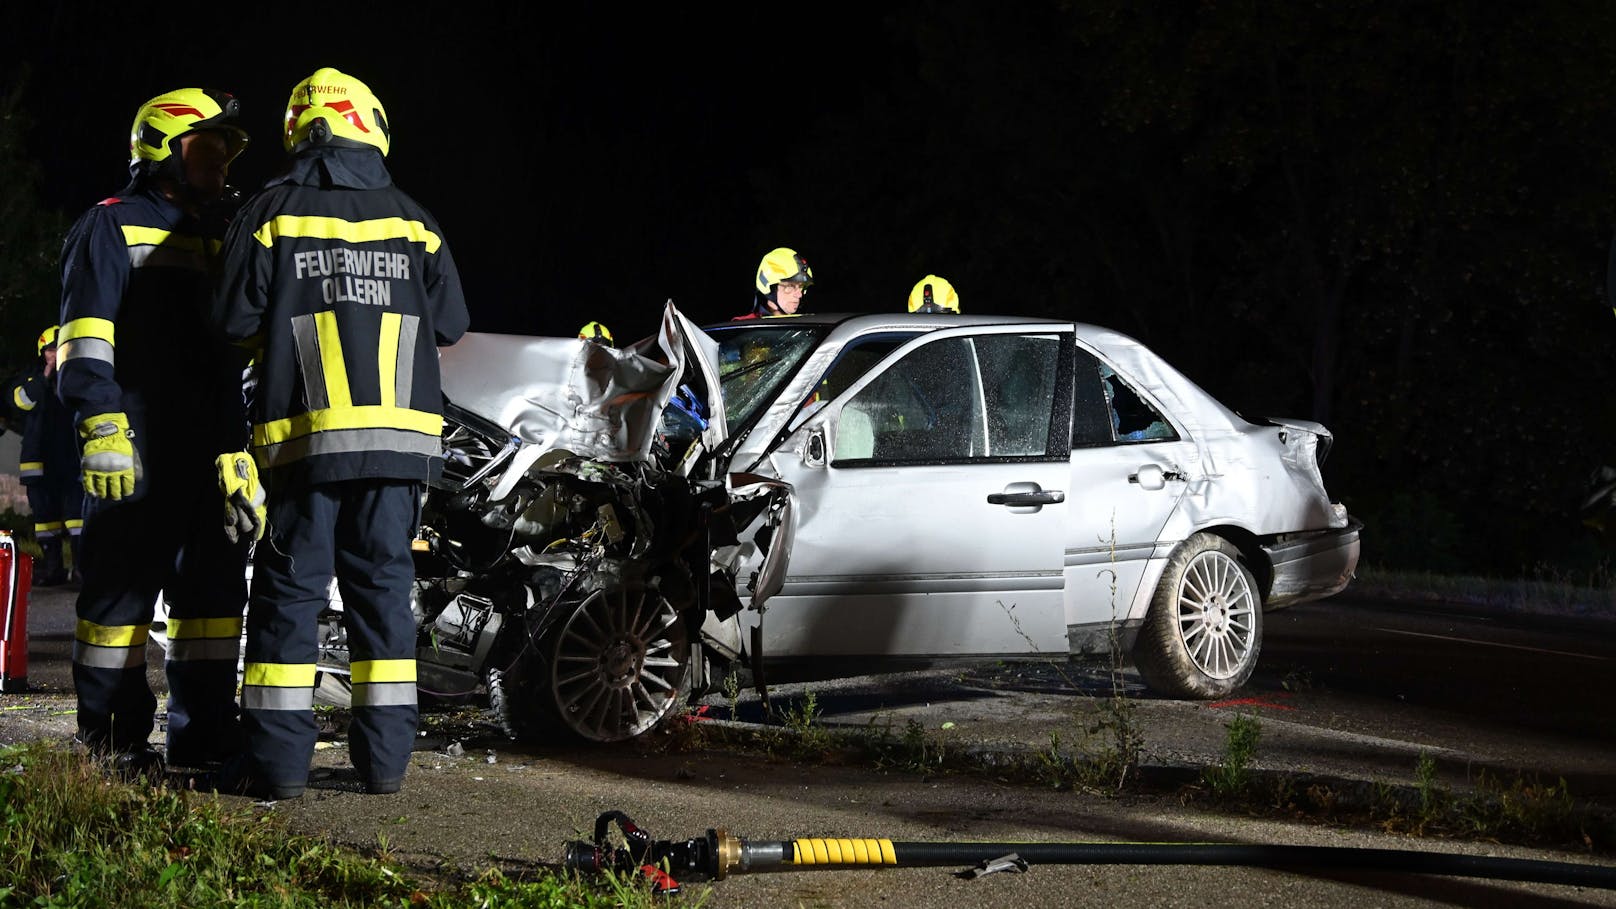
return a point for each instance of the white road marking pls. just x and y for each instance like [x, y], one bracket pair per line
[1445, 637]
[1373, 741]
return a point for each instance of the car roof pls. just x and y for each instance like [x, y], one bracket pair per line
[905, 320]
[1189, 403]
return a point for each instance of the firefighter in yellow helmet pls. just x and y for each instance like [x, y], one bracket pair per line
[934, 294]
[49, 461]
[332, 264]
[783, 278]
[595, 331]
[135, 293]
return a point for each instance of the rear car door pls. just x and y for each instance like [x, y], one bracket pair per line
[1130, 467]
[931, 504]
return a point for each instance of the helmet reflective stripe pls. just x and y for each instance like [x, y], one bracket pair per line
[164, 120]
[934, 294]
[331, 107]
[782, 264]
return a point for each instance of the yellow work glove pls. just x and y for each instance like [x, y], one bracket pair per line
[109, 463]
[244, 511]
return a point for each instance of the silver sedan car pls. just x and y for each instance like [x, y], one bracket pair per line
[618, 530]
[981, 486]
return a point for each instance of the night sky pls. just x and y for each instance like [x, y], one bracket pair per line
[1390, 217]
[584, 163]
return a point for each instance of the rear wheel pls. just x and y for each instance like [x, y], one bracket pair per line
[613, 668]
[1204, 629]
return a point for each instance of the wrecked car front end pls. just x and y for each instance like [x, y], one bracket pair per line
[581, 536]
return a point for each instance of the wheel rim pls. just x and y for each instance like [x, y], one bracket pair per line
[619, 664]
[1217, 615]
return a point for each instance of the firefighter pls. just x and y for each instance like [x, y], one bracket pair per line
[597, 332]
[344, 287]
[154, 393]
[49, 462]
[933, 294]
[783, 278]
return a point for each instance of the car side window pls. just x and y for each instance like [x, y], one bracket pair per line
[856, 359]
[1018, 383]
[1132, 418]
[957, 399]
[1091, 406]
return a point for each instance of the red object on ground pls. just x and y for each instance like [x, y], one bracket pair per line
[16, 579]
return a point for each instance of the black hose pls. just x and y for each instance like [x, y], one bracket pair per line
[1262, 856]
[719, 854]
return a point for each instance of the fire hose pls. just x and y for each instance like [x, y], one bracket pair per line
[718, 854]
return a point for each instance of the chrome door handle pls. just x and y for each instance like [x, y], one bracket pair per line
[1042, 497]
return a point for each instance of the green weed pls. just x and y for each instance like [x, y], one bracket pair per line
[1229, 777]
[732, 693]
[809, 738]
[71, 837]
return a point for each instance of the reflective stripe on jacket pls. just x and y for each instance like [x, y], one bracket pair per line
[136, 334]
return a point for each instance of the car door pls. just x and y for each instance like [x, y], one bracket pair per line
[930, 500]
[1130, 467]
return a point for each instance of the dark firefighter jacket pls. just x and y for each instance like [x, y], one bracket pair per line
[343, 287]
[50, 446]
[136, 336]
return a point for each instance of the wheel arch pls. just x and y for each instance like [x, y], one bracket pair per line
[1251, 551]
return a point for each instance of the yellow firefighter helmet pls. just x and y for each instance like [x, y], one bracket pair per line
[160, 124]
[595, 331]
[782, 264]
[934, 294]
[333, 108]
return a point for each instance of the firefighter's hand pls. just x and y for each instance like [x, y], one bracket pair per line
[244, 510]
[109, 463]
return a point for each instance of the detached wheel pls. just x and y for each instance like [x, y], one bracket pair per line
[1201, 637]
[612, 669]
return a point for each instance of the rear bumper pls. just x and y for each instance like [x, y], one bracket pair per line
[1313, 566]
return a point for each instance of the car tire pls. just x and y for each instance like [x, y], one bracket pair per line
[1203, 632]
[614, 667]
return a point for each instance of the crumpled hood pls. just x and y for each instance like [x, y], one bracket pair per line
[595, 401]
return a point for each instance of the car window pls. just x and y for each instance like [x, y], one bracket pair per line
[1132, 418]
[856, 359]
[1018, 386]
[1091, 406]
[957, 399]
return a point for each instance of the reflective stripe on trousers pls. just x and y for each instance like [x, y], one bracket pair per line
[361, 531]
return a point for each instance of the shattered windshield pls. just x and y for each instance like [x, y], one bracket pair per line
[756, 360]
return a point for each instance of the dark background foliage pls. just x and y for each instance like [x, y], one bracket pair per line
[1392, 217]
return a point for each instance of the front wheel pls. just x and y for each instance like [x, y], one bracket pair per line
[1203, 632]
[613, 668]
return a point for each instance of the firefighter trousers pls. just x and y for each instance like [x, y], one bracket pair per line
[168, 541]
[358, 531]
[55, 506]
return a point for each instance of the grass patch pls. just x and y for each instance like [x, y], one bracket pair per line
[1229, 778]
[71, 837]
[1521, 810]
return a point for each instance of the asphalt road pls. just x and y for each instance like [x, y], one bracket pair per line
[1347, 688]
[1534, 674]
